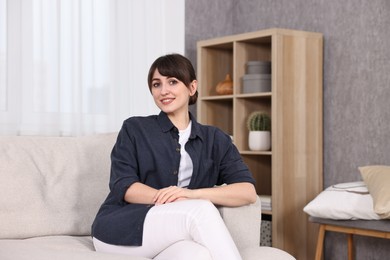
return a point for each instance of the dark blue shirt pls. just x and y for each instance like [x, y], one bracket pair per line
[147, 151]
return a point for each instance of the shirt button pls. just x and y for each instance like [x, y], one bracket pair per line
[177, 149]
[175, 173]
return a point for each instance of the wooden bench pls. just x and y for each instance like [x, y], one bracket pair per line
[372, 228]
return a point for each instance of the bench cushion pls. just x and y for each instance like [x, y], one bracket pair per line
[377, 225]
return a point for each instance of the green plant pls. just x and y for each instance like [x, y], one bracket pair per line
[259, 121]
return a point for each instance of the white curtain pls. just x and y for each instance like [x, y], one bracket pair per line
[75, 67]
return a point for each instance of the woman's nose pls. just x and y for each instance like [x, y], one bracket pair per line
[164, 88]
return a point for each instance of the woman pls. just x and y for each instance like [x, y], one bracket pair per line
[166, 174]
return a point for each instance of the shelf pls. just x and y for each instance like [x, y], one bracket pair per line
[256, 152]
[219, 97]
[291, 173]
[219, 113]
[255, 95]
[242, 96]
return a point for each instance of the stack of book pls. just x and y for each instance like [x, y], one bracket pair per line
[265, 202]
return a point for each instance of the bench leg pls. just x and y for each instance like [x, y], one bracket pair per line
[320, 242]
[350, 247]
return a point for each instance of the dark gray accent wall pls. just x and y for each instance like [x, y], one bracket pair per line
[356, 78]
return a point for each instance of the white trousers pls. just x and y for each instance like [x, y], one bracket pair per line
[188, 229]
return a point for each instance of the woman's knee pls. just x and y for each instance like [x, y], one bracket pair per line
[206, 207]
[185, 249]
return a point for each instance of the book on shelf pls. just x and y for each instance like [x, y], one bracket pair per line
[265, 202]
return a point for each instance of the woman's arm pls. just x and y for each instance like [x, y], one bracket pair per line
[236, 194]
[140, 193]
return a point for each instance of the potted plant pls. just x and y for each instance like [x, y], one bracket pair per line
[259, 126]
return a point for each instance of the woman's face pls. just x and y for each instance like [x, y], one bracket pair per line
[170, 94]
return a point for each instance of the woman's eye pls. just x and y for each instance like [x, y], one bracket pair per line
[156, 84]
[173, 82]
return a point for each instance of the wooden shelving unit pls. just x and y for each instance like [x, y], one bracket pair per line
[292, 171]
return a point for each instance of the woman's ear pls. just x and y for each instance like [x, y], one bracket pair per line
[193, 87]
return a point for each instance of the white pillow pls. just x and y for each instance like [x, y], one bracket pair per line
[349, 200]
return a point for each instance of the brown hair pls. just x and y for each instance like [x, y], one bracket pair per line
[176, 66]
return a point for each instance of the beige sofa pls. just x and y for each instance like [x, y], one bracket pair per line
[52, 187]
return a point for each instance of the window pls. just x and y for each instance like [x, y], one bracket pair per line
[71, 67]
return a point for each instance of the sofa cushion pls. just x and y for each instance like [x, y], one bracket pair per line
[55, 247]
[265, 253]
[52, 185]
[247, 218]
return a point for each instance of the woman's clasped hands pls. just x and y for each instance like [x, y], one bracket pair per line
[172, 194]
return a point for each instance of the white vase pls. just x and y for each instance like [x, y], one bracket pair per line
[259, 140]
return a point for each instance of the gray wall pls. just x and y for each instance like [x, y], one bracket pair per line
[356, 78]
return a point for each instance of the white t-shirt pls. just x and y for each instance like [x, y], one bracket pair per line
[186, 167]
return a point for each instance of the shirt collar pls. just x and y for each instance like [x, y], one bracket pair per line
[166, 125]
[164, 122]
[195, 129]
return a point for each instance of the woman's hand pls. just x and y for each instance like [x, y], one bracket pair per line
[171, 194]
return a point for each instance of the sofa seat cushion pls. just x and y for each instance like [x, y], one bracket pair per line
[265, 253]
[81, 248]
[52, 185]
[55, 247]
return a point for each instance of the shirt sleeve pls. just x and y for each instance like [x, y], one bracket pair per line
[124, 164]
[232, 168]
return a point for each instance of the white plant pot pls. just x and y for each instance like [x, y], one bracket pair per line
[259, 140]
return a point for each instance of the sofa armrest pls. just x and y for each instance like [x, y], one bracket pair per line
[243, 224]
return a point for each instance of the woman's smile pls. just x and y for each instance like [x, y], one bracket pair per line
[167, 101]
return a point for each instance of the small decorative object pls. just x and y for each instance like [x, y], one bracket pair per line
[258, 67]
[256, 83]
[259, 126]
[258, 77]
[225, 87]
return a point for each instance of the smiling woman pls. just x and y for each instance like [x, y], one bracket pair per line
[78, 67]
[168, 173]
